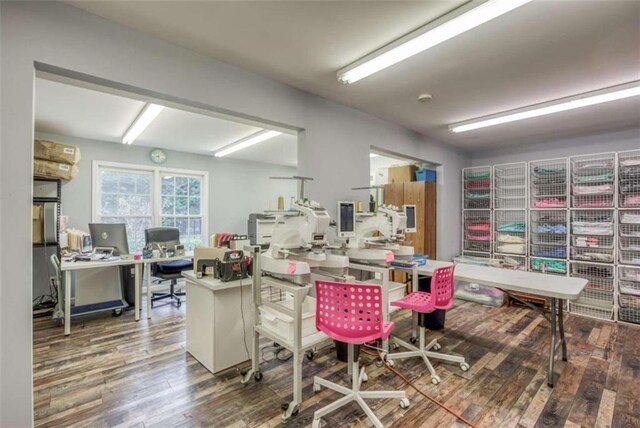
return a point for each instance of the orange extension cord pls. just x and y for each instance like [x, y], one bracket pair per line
[407, 381]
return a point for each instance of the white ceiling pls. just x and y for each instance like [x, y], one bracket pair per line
[542, 51]
[78, 112]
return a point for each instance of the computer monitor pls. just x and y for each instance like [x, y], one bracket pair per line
[410, 212]
[110, 235]
[346, 219]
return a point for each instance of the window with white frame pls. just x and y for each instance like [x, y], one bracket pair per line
[142, 197]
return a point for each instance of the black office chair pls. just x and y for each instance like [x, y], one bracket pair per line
[167, 237]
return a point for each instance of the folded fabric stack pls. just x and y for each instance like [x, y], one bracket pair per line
[555, 229]
[478, 237]
[511, 248]
[630, 162]
[553, 252]
[512, 227]
[630, 274]
[630, 257]
[631, 201]
[554, 266]
[627, 244]
[478, 184]
[595, 178]
[593, 257]
[630, 172]
[630, 217]
[628, 232]
[541, 170]
[477, 195]
[512, 239]
[593, 203]
[479, 227]
[630, 187]
[594, 165]
[475, 246]
[592, 228]
[586, 241]
[478, 174]
[550, 203]
[600, 189]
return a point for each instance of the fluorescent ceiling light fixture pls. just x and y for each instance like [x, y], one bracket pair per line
[144, 119]
[583, 100]
[373, 155]
[447, 27]
[261, 136]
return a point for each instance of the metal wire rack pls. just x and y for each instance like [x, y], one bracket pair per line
[477, 187]
[629, 273]
[600, 255]
[629, 179]
[510, 186]
[512, 262]
[547, 265]
[592, 270]
[593, 180]
[549, 182]
[628, 301]
[590, 311]
[629, 315]
[629, 287]
[510, 235]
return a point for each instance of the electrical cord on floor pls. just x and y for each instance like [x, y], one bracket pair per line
[364, 350]
[276, 350]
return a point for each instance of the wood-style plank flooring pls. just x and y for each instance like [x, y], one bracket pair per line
[118, 372]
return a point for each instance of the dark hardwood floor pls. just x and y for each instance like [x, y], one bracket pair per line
[118, 372]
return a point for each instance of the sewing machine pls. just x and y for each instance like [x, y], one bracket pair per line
[298, 245]
[378, 237]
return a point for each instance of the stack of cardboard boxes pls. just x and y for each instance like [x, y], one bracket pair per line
[55, 160]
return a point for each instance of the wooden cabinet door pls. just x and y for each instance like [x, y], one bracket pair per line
[393, 194]
[423, 196]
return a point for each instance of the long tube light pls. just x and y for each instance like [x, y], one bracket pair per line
[254, 139]
[583, 100]
[457, 22]
[144, 119]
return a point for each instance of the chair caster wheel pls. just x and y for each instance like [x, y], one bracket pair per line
[317, 387]
[390, 362]
[179, 303]
[395, 346]
[436, 347]
[464, 367]
[315, 423]
[413, 339]
[309, 355]
[365, 378]
[117, 312]
[379, 363]
[435, 380]
[404, 403]
[258, 376]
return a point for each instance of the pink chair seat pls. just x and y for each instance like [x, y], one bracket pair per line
[418, 301]
[351, 313]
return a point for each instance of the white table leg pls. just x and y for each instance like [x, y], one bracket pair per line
[147, 274]
[137, 286]
[67, 303]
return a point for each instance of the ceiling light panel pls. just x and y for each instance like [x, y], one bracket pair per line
[144, 119]
[247, 142]
[457, 22]
[579, 101]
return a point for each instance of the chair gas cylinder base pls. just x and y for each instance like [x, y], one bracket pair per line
[420, 302]
[352, 313]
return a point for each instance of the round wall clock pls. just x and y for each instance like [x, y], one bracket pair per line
[158, 156]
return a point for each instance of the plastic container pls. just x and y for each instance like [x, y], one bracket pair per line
[428, 175]
[282, 323]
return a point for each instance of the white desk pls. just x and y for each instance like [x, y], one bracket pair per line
[556, 288]
[67, 267]
[216, 335]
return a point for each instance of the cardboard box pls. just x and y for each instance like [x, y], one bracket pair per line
[56, 152]
[36, 218]
[402, 174]
[43, 168]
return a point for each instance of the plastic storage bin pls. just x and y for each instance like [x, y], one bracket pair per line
[282, 323]
[428, 175]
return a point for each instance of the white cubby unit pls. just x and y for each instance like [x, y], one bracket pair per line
[477, 194]
[477, 190]
[629, 294]
[629, 179]
[593, 181]
[477, 232]
[510, 232]
[629, 237]
[549, 232]
[510, 186]
[549, 184]
[598, 298]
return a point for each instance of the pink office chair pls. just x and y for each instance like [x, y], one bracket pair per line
[352, 313]
[441, 297]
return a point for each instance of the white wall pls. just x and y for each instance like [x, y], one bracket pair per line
[236, 188]
[610, 142]
[334, 150]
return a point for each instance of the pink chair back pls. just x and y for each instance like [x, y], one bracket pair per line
[349, 312]
[442, 287]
